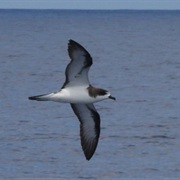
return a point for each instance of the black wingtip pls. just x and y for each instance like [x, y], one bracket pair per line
[88, 157]
[72, 41]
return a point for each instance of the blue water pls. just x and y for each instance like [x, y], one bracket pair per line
[136, 57]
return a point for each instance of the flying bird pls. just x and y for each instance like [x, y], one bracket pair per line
[81, 95]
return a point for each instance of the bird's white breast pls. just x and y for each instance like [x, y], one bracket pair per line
[76, 95]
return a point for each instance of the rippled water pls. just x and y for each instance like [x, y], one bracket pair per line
[136, 57]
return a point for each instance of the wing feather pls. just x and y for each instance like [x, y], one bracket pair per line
[77, 70]
[89, 127]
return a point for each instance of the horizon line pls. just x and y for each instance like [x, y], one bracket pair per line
[81, 9]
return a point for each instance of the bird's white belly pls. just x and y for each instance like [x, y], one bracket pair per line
[75, 95]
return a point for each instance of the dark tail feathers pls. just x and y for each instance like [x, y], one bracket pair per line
[39, 97]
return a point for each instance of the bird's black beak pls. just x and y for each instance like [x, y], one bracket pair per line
[111, 97]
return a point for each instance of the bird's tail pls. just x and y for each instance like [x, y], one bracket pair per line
[43, 97]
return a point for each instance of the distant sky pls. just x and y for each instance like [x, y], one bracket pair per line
[90, 4]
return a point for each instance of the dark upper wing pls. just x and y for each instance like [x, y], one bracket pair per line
[77, 70]
[89, 127]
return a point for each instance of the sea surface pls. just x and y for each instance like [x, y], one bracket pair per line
[136, 57]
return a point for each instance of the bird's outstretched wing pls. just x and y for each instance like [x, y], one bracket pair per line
[89, 127]
[77, 70]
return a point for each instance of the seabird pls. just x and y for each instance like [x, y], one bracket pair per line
[78, 91]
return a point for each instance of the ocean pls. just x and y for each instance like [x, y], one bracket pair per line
[136, 57]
